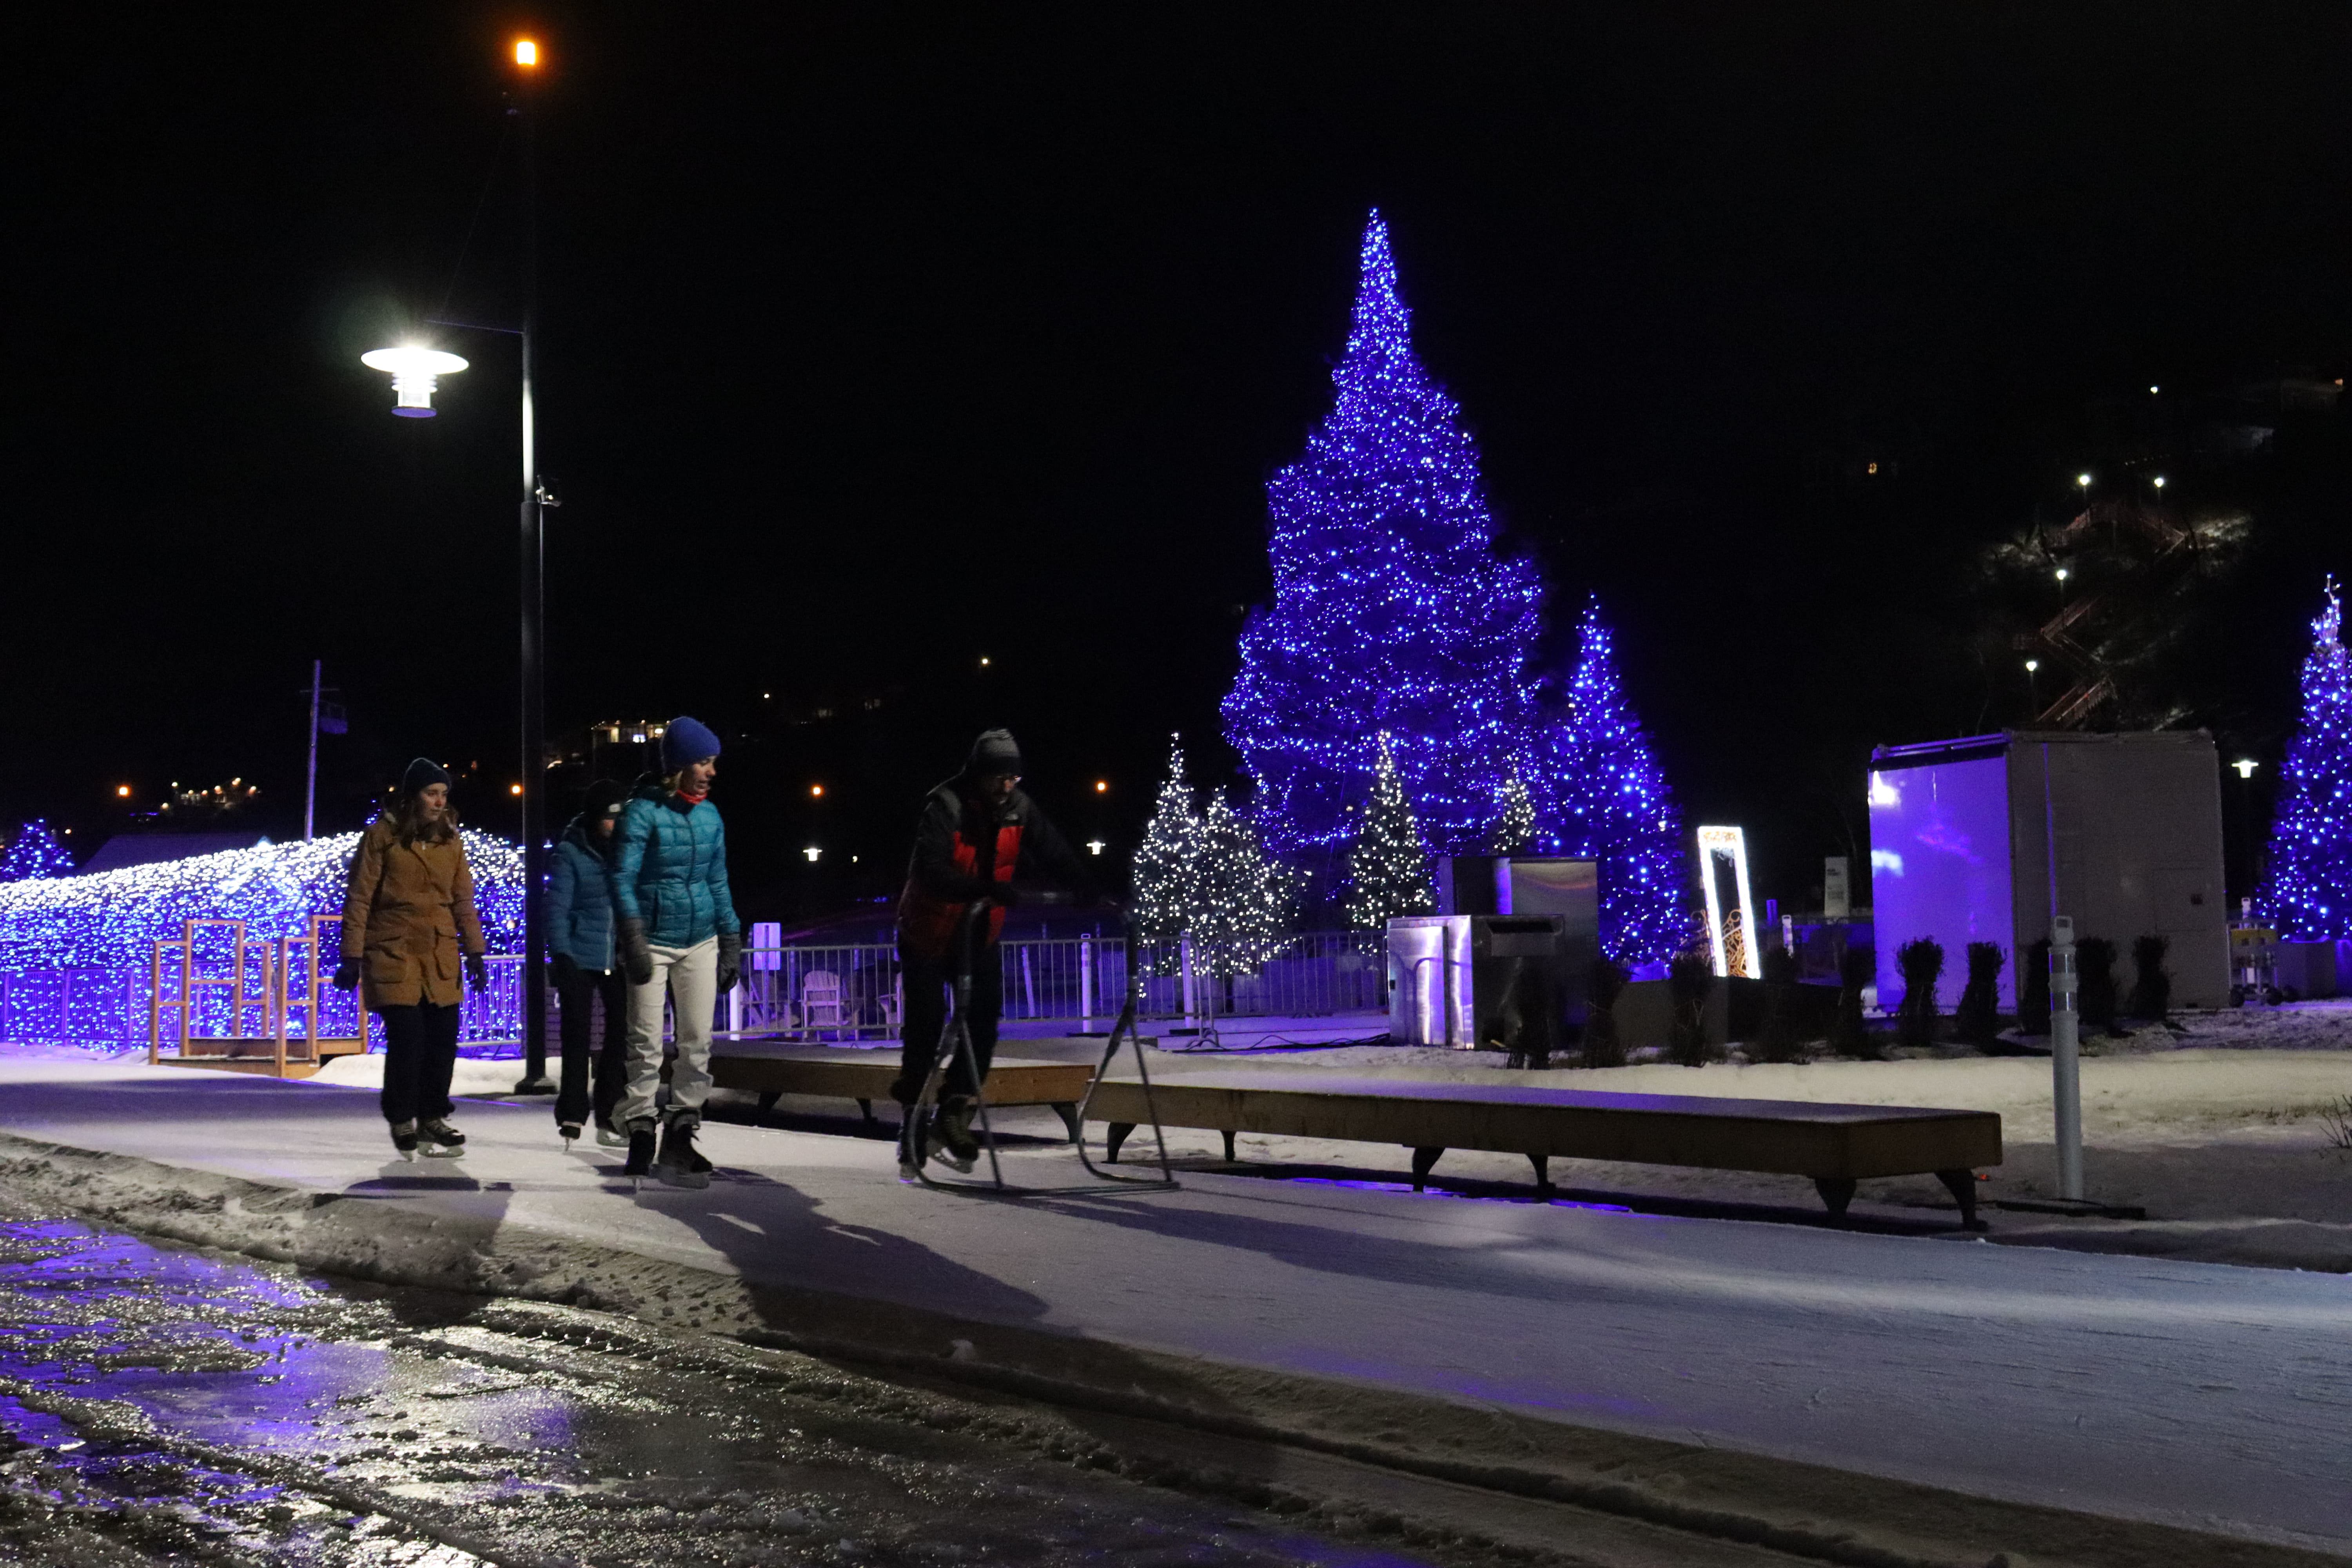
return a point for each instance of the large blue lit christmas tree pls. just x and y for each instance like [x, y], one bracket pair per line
[2305, 891]
[1608, 799]
[1393, 611]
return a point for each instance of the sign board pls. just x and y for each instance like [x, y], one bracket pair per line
[1837, 903]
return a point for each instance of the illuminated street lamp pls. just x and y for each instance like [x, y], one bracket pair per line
[2159, 482]
[415, 373]
[2082, 481]
[415, 369]
[2246, 767]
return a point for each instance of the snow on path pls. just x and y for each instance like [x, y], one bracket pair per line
[2188, 1393]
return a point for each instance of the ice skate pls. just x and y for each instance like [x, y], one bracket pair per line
[680, 1163]
[959, 1151]
[404, 1139]
[912, 1149]
[441, 1141]
[641, 1150]
[609, 1136]
[569, 1132]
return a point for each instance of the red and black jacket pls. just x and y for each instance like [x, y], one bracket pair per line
[964, 846]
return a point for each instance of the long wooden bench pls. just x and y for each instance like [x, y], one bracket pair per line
[771, 1070]
[1836, 1145]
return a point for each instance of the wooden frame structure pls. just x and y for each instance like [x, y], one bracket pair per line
[274, 1048]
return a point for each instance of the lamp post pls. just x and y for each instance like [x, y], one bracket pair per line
[2246, 767]
[414, 369]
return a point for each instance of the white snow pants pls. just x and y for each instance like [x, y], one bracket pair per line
[688, 976]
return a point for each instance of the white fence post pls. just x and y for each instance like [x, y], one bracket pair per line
[1184, 968]
[1085, 985]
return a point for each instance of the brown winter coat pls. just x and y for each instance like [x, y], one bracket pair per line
[406, 909]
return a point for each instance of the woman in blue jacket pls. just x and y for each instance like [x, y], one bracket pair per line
[678, 937]
[587, 971]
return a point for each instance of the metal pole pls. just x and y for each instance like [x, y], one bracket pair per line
[2065, 1060]
[534, 717]
[311, 783]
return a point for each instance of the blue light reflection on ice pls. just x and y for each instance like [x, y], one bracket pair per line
[1450, 1196]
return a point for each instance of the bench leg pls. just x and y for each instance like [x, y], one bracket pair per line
[1068, 1112]
[1542, 1164]
[768, 1101]
[1962, 1185]
[1423, 1162]
[1230, 1157]
[866, 1108]
[1837, 1192]
[1113, 1139]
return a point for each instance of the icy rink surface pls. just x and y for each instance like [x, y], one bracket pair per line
[2190, 1393]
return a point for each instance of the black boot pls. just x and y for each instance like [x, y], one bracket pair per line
[441, 1141]
[404, 1139]
[680, 1163]
[641, 1150]
[958, 1147]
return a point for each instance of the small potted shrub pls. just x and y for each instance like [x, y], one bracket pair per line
[2033, 990]
[1689, 978]
[1921, 962]
[1848, 1036]
[2151, 993]
[1777, 1041]
[1978, 1021]
[1603, 983]
[2094, 995]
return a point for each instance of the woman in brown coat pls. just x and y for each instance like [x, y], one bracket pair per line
[410, 904]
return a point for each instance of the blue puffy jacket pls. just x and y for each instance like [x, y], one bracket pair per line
[580, 899]
[669, 869]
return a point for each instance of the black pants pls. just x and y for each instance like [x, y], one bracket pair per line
[928, 985]
[420, 1052]
[580, 990]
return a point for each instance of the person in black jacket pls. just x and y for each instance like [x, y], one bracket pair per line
[581, 950]
[976, 830]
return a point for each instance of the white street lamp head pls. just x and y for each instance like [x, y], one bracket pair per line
[413, 370]
[2031, 665]
[2083, 480]
[2159, 482]
[2246, 767]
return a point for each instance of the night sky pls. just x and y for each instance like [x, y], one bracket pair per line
[878, 340]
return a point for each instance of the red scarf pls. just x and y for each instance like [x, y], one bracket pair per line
[693, 796]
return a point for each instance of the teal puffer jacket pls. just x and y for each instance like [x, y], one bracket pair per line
[580, 899]
[669, 870]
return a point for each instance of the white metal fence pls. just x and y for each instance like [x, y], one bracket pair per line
[856, 992]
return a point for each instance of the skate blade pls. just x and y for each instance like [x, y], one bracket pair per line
[443, 1153]
[954, 1162]
[608, 1139]
[407, 1154]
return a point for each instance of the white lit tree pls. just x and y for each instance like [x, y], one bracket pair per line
[1243, 907]
[1388, 871]
[1168, 862]
[1515, 818]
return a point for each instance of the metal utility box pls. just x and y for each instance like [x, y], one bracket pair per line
[1449, 976]
[1985, 839]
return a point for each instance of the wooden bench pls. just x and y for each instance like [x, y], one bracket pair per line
[771, 1070]
[1836, 1145]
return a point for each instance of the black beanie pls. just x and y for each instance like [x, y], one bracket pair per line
[422, 771]
[994, 752]
[605, 798]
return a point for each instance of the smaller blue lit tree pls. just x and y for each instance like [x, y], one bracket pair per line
[38, 852]
[2305, 892]
[1607, 798]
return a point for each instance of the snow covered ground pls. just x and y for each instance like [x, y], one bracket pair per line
[2209, 1397]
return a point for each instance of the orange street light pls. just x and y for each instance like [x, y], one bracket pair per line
[122, 792]
[514, 789]
[1102, 787]
[526, 52]
[816, 791]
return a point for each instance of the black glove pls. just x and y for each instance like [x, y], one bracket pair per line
[636, 953]
[347, 974]
[1002, 895]
[477, 972]
[567, 968]
[730, 961]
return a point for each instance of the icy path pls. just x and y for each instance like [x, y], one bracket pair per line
[2188, 1393]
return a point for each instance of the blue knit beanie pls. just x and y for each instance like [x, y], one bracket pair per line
[686, 741]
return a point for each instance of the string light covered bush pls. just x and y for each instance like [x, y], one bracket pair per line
[1388, 873]
[2305, 892]
[1609, 802]
[36, 853]
[1168, 862]
[1393, 610]
[103, 927]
